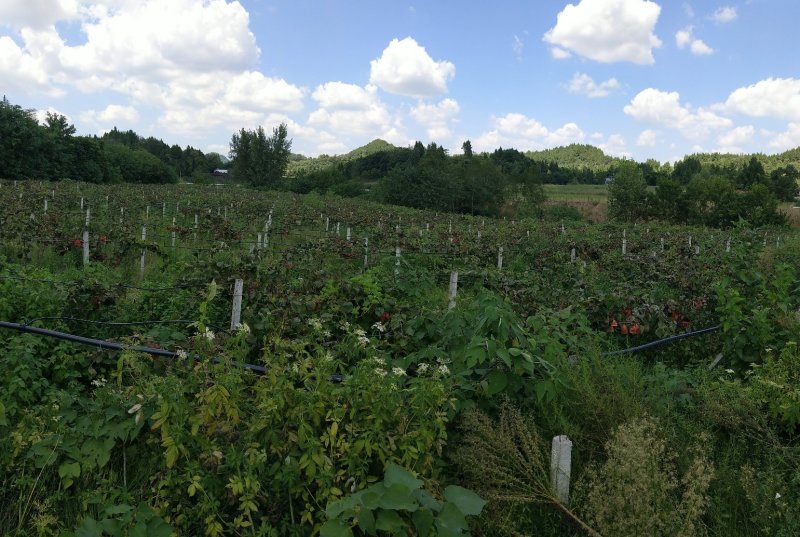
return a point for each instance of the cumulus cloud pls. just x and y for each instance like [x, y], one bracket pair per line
[583, 84]
[436, 118]
[405, 68]
[735, 139]
[615, 146]
[607, 31]
[157, 39]
[22, 72]
[647, 138]
[525, 134]
[665, 109]
[724, 14]
[773, 97]
[349, 109]
[111, 115]
[696, 46]
[36, 13]
[788, 139]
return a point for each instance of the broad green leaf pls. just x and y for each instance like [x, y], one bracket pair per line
[468, 502]
[89, 528]
[335, 528]
[366, 521]
[451, 520]
[496, 382]
[423, 522]
[388, 521]
[397, 474]
[398, 497]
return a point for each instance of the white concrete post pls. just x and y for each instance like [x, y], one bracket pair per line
[561, 467]
[500, 258]
[85, 247]
[397, 260]
[366, 250]
[236, 310]
[453, 290]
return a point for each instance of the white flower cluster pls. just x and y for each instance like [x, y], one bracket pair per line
[380, 371]
[182, 354]
[242, 328]
[399, 371]
[99, 383]
[208, 334]
[422, 368]
[315, 323]
[380, 327]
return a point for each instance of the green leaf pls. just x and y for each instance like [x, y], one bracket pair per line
[467, 501]
[388, 521]
[451, 521]
[423, 522]
[496, 382]
[397, 474]
[335, 528]
[398, 497]
[89, 528]
[3, 420]
[366, 521]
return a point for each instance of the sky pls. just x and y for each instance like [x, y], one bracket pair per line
[638, 78]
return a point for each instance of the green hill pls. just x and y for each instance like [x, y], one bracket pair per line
[575, 156]
[299, 163]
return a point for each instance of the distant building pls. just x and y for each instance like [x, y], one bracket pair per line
[220, 173]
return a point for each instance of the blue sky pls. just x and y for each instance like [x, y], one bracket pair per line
[638, 78]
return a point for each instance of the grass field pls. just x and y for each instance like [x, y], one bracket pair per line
[590, 193]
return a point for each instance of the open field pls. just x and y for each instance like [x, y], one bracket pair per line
[366, 376]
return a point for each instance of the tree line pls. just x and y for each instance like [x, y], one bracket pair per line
[30, 150]
[703, 195]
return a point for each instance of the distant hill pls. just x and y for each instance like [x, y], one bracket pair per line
[575, 156]
[299, 163]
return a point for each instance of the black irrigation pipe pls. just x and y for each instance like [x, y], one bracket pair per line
[111, 346]
[119, 323]
[664, 341]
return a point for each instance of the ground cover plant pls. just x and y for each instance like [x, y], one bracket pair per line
[381, 409]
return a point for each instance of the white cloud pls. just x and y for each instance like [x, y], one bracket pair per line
[665, 109]
[615, 146]
[405, 68]
[607, 30]
[560, 53]
[697, 46]
[41, 115]
[647, 138]
[436, 118]
[735, 139]
[36, 13]
[788, 139]
[349, 109]
[583, 84]
[156, 40]
[725, 14]
[773, 97]
[345, 96]
[111, 115]
[251, 90]
[524, 133]
[21, 71]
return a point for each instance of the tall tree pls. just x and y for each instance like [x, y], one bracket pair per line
[258, 159]
[627, 193]
[467, 148]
